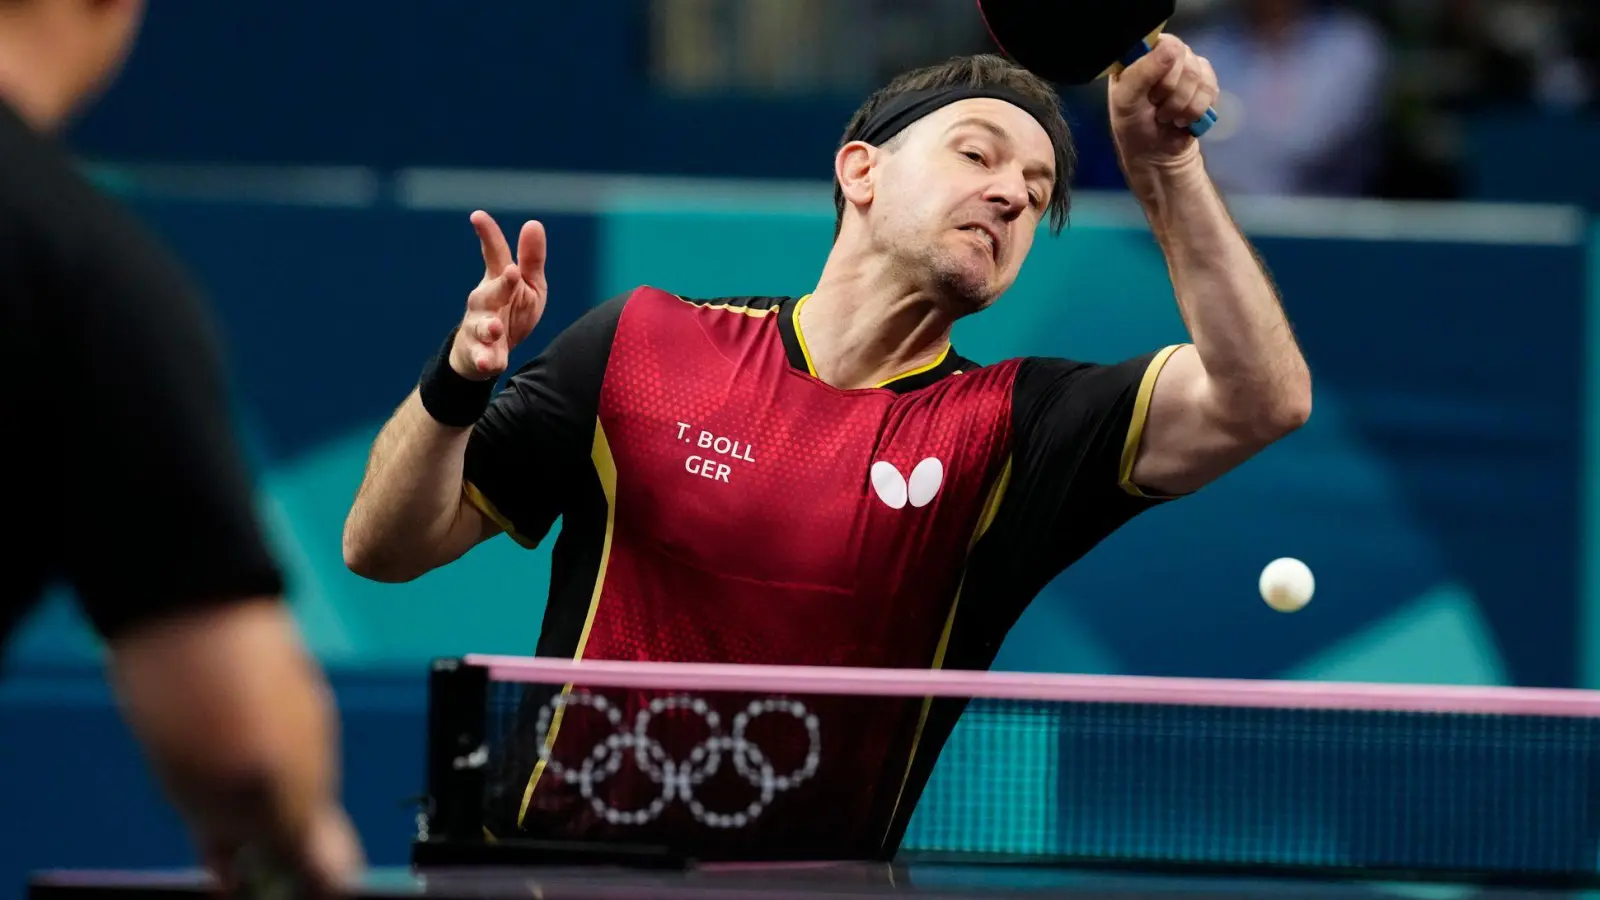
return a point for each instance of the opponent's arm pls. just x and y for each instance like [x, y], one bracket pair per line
[1243, 383]
[240, 727]
[232, 712]
[411, 514]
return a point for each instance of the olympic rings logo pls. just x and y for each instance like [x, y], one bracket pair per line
[678, 778]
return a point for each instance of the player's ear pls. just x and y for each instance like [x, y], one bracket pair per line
[853, 167]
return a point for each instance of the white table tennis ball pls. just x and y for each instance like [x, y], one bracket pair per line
[1286, 584]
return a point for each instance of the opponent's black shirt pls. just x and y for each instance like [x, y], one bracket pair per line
[125, 478]
[720, 503]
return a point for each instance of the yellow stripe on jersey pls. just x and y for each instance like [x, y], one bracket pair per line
[605, 466]
[1141, 412]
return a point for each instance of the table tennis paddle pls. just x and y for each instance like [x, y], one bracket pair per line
[1079, 41]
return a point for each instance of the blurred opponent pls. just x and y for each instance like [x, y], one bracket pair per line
[823, 479]
[129, 485]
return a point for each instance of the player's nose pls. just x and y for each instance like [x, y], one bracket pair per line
[1009, 195]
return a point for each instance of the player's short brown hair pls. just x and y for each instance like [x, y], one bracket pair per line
[979, 71]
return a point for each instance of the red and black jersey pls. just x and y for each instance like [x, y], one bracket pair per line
[720, 503]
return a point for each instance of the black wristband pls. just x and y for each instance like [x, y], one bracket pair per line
[448, 397]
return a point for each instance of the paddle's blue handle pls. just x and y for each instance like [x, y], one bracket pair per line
[1200, 126]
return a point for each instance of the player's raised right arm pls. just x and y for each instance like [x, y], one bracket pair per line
[410, 515]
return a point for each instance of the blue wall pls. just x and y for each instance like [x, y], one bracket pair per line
[409, 83]
[491, 84]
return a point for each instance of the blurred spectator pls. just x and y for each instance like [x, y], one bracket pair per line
[1467, 55]
[1455, 59]
[804, 46]
[684, 37]
[1321, 97]
[1585, 37]
[1302, 107]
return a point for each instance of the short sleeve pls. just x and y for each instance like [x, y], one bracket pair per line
[152, 495]
[529, 451]
[1078, 427]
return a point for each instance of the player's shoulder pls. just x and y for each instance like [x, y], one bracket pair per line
[653, 309]
[1067, 367]
[1046, 366]
[56, 225]
[41, 191]
[756, 306]
[32, 159]
[39, 195]
[724, 319]
[660, 299]
[1052, 379]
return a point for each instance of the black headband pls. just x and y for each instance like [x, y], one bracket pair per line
[893, 117]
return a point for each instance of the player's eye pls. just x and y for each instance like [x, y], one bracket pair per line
[973, 155]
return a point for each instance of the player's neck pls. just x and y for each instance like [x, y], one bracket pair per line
[864, 326]
[30, 82]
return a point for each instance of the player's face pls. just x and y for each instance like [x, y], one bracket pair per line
[963, 195]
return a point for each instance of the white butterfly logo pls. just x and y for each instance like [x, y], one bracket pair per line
[896, 490]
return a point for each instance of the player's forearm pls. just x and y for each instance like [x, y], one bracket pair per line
[1255, 372]
[410, 498]
[236, 719]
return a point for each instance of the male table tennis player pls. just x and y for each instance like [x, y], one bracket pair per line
[129, 485]
[824, 479]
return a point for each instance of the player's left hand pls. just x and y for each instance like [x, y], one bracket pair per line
[320, 861]
[1154, 101]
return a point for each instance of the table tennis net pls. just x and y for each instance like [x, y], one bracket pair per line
[1117, 771]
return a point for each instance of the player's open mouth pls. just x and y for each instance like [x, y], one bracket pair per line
[987, 236]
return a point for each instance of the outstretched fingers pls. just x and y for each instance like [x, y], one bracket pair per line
[496, 253]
